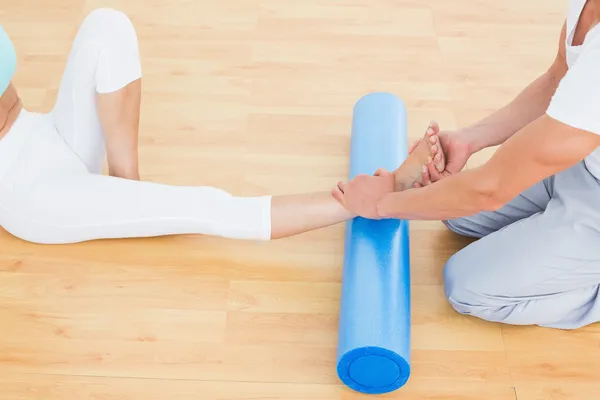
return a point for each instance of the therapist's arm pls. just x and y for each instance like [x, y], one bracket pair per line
[539, 150]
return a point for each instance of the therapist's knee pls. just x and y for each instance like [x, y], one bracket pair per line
[453, 225]
[464, 287]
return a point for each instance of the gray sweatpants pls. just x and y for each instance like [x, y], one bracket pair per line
[537, 261]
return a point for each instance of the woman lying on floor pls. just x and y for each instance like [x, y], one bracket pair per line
[51, 187]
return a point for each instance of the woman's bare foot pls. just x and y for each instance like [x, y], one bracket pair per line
[426, 150]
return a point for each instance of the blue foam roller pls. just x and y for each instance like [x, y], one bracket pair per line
[374, 326]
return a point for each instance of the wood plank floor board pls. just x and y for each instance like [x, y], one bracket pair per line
[256, 97]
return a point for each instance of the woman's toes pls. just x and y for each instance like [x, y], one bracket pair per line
[435, 126]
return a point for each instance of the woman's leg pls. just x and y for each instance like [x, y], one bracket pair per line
[47, 195]
[61, 207]
[119, 114]
[298, 213]
[98, 106]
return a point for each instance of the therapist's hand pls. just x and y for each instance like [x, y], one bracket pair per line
[456, 146]
[362, 194]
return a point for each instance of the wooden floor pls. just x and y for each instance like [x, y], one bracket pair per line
[255, 96]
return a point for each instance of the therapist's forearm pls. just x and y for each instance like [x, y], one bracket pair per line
[530, 104]
[460, 195]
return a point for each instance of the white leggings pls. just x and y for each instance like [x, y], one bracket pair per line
[51, 187]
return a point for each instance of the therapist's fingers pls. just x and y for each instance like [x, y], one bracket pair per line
[434, 174]
[339, 196]
[382, 172]
[425, 178]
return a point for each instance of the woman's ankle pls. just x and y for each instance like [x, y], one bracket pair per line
[130, 174]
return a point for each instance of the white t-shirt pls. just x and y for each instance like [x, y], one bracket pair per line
[577, 98]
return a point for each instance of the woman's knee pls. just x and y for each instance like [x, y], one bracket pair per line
[110, 16]
[109, 23]
[111, 33]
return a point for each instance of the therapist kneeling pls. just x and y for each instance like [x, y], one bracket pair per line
[535, 205]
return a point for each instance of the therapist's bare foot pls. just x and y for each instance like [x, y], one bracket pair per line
[428, 149]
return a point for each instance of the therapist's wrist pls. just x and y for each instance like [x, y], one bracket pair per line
[471, 139]
[385, 206]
